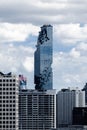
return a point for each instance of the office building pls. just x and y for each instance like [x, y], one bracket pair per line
[85, 89]
[9, 89]
[43, 77]
[72, 127]
[80, 116]
[67, 99]
[37, 109]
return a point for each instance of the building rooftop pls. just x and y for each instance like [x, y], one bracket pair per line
[7, 75]
[33, 91]
[46, 25]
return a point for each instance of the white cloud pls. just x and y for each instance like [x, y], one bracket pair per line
[80, 50]
[69, 78]
[16, 32]
[29, 64]
[70, 68]
[16, 58]
[74, 53]
[82, 46]
[70, 33]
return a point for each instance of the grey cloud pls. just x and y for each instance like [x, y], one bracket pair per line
[77, 1]
[55, 12]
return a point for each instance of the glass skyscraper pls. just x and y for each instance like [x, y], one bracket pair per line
[43, 78]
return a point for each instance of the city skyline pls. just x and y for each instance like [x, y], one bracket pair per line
[20, 24]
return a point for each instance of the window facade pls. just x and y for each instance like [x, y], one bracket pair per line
[8, 102]
[37, 110]
[43, 77]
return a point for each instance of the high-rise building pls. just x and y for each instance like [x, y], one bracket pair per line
[37, 109]
[85, 89]
[43, 59]
[80, 116]
[9, 89]
[67, 99]
[73, 127]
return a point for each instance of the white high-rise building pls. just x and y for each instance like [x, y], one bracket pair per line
[67, 99]
[9, 90]
[37, 110]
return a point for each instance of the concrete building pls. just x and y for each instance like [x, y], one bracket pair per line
[85, 89]
[72, 127]
[67, 99]
[9, 89]
[80, 116]
[43, 57]
[37, 109]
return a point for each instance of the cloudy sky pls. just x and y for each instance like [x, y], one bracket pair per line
[20, 22]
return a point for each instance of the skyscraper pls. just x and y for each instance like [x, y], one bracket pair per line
[37, 109]
[9, 89]
[85, 89]
[67, 99]
[43, 59]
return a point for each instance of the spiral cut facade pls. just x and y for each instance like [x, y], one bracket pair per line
[43, 59]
